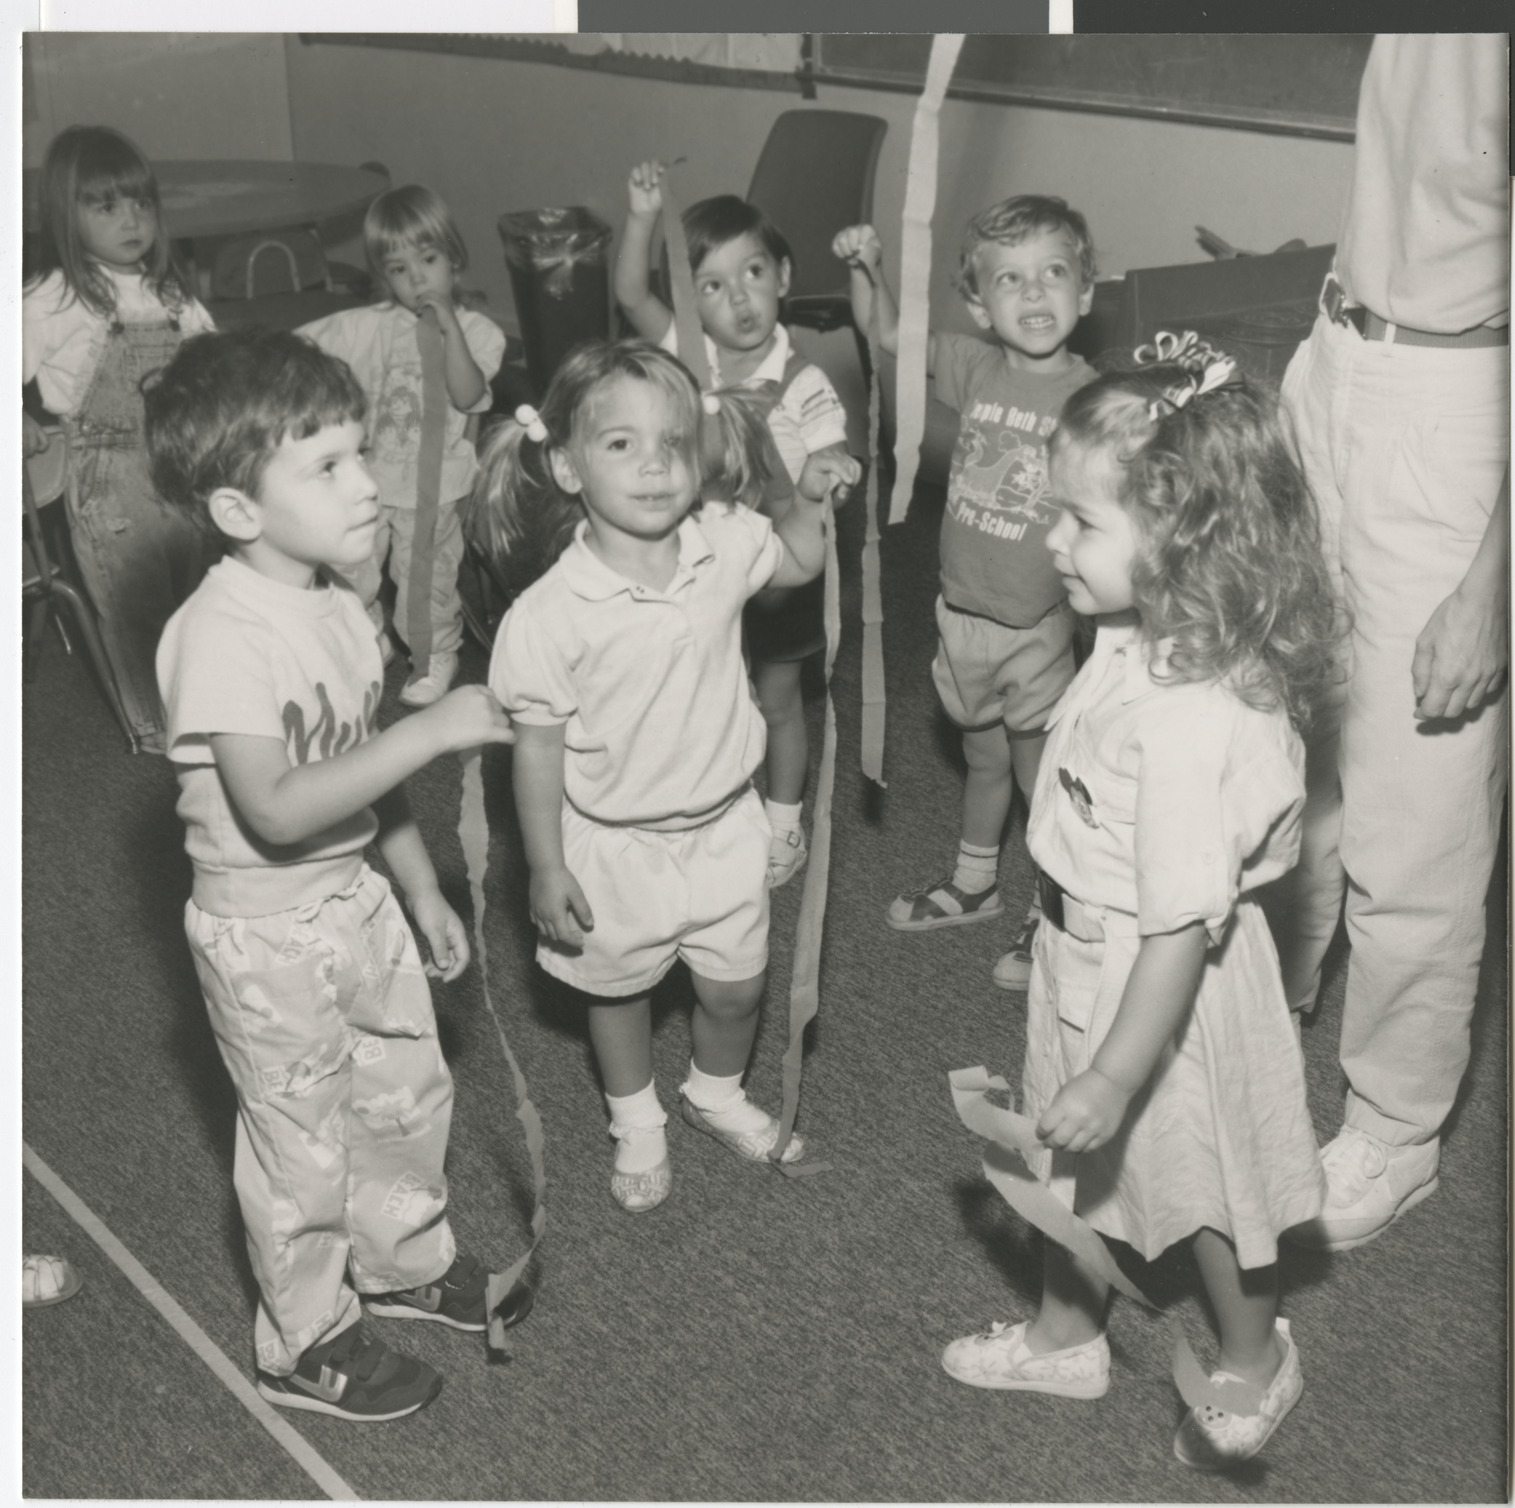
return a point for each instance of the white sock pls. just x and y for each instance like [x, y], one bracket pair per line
[977, 868]
[723, 1102]
[636, 1122]
[782, 818]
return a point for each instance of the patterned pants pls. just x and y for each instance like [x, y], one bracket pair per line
[324, 1020]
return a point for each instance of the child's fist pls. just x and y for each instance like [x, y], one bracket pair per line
[559, 907]
[644, 188]
[859, 246]
[828, 476]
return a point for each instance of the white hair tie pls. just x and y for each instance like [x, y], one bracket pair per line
[531, 421]
[710, 403]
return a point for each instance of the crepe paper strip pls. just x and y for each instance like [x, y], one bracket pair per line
[686, 312]
[915, 271]
[804, 986]
[1008, 1132]
[970, 1093]
[1025, 1193]
[1223, 1391]
[872, 753]
[434, 405]
[473, 832]
[1034, 1201]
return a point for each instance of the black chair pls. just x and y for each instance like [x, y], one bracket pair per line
[45, 584]
[815, 177]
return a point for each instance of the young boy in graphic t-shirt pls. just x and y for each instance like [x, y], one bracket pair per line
[315, 988]
[1005, 652]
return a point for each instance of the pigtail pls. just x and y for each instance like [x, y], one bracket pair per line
[739, 462]
[517, 516]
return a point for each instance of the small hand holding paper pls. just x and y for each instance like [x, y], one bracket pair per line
[1084, 1114]
[829, 476]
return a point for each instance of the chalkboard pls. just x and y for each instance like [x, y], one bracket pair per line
[1303, 85]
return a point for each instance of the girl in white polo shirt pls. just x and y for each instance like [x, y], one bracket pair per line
[637, 730]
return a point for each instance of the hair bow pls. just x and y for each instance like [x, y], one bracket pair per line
[710, 403]
[1206, 369]
[531, 421]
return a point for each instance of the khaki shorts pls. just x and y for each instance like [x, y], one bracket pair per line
[986, 673]
[700, 895]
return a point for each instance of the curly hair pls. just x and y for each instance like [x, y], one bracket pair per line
[520, 518]
[1010, 222]
[1229, 563]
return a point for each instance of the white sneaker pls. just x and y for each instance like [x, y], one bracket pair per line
[1000, 1358]
[434, 685]
[1210, 1439]
[1013, 971]
[787, 853]
[47, 1280]
[1370, 1184]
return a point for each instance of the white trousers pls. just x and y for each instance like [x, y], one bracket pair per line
[1404, 447]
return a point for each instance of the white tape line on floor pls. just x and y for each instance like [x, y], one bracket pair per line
[300, 1449]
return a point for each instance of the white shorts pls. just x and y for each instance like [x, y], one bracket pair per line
[700, 895]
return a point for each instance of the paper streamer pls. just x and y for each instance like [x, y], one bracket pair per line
[1011, 1138]
[686, 311]
[804, 986]
[473, 831]
[915, 271]
[434, 405]
[1009, 1135]
[872, 753]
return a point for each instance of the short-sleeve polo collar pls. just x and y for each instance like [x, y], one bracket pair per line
[1141, 666]
[590, 578]
[770, 369]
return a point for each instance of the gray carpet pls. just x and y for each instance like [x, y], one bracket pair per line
[755, 1338]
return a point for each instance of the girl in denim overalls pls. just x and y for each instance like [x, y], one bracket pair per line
[106, 309]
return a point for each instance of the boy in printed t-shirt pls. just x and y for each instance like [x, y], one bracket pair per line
[317, 994]
[1005, 652]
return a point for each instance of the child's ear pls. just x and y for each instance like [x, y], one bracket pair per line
[235, 514]
[1086, 299]
[979, 313]
[562, 471]
[786, 274]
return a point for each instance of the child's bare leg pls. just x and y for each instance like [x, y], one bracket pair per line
[725, 1023]
[989, 786]
[1025, 761]
[788, 760]
[1246, 1308]
[621, 1035]
[1073, 1303]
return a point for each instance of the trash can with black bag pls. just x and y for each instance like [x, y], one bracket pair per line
[559, 263]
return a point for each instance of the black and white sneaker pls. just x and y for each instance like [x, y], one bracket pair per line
[354, 1378]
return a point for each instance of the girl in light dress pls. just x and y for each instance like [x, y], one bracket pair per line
[1162, 1065]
